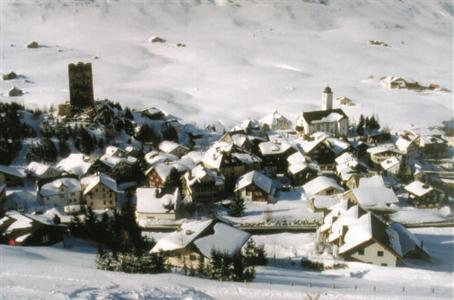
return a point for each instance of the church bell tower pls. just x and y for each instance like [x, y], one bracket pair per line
[327, 99]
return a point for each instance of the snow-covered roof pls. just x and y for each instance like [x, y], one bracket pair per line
[195, 156]
[402, 144]
[277, 146]
[74, 164]
[337, 145]
[61, 185]
[92, 181]
[37, 169]
[213, 156]
[345, 158]
[296, 157]
[247, 158]
[180, 238]
[254, 177]
[201, 174]
[382, 148]
[319, 184]
[276, 118]
[112, 161]
[11, 171]
[155, 157]
[375, 197]
[114, 151]
[169, 146]
[373, 181]
[219, 241]
[323, 201]
[148, 202]
[390, 162]
[408, 241]
[418, 188]
[21, 221]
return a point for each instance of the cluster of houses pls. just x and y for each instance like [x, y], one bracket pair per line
[351, 179]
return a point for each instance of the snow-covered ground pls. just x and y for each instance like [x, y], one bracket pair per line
[242, 58]
[58, 273]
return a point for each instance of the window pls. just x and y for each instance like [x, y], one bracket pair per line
[361, 252]
[380, 253]
[192, 257]
[384, 265]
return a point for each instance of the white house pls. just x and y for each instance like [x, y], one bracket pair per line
[329, 120]
[153, 205]
[276, 121]
[61, 192]
[322, 185]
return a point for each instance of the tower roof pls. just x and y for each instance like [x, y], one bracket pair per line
[327, 90]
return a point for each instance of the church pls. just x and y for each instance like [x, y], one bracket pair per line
[329, 120]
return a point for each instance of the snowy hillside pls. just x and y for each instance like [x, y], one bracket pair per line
[59, 273]
[241, 58]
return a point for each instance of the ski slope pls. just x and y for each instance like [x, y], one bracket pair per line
[242, 58]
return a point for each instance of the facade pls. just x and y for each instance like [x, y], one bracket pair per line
[157, 175]
[61, 192]
[254, 186]
[100, 192]
[423, 195]
[202, 185]
[153, 204]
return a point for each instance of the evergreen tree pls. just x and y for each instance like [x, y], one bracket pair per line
[170, 134]
[255, 255]
[56, 219]
[64, 148]
[360, 126]
[127, 113]
[237, 207]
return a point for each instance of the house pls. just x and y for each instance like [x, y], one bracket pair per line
[276, 121]
[391, 165]
[158, 175]
[29, 230]
[11, 176]
[382, 152]
[322, 203]
[371, 241]
[410, 245]
[40, 171]
[196, 240]
[379, 199]
[100, 191]
[318, 149]
[154, 157]
[255, 186]
[173, 148]
[153, 205]
[329, 120]
[202, 185]
[274, 156]
[61, 192]
[431, 146]
[301, 169]
[423, 195]
[76, 164]
[230, 161]
[322, 185]
[408, 148]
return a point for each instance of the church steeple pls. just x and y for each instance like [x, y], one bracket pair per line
[327, 99]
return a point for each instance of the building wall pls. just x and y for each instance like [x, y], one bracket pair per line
[154, 180]
[100, 197]
[371, 256]
[62, 199]
[252, 193]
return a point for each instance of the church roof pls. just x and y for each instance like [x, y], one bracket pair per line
[328, 90]
[312, 116]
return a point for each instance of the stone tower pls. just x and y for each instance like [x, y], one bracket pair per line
[80, 85]
[327, 99]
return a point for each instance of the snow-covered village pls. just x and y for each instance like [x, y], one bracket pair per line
[226, 149]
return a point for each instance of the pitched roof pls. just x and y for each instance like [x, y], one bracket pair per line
[261, 181]
[102, 178]
[53, 187]
[330, 115]
[319, 184]
[218, 241]
[418, 188]
[148, 202]
[11, 171]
